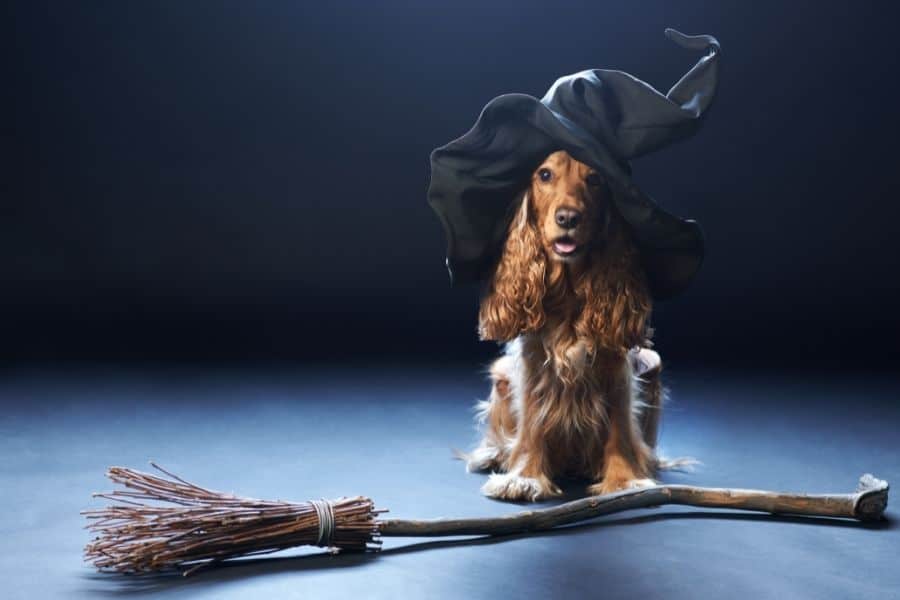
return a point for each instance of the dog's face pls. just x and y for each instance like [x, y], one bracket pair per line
[567, 249]
[569, 203]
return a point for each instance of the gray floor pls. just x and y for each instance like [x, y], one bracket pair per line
[290, 433]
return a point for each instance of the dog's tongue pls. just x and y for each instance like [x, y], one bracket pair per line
[565, 246]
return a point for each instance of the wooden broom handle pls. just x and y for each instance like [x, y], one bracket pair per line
[867, 503]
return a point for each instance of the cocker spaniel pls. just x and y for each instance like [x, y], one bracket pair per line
[577, 390]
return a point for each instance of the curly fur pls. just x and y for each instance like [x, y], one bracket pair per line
[515, 303]
[565, 398]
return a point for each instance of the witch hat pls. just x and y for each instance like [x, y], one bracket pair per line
[603, 118]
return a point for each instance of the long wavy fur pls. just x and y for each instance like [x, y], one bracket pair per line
[610, 297]
[514, 303]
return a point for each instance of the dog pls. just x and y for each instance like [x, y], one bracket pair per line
[577, 390]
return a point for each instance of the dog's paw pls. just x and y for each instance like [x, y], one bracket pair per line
[481, 459]
[610, 485]
[685, 464]
[513, 487]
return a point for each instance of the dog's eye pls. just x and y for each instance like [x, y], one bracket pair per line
[545, 175]
[594, 180]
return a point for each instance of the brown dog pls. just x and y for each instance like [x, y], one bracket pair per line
[577, 390]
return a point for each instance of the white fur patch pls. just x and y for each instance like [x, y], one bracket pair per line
[481, 458]
[508, 486]
[482, 410]
[513, 366]
[639, 483]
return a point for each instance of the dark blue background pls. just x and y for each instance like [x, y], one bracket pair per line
[236, 180]
[236, 190]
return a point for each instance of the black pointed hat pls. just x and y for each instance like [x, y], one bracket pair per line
[602, 118]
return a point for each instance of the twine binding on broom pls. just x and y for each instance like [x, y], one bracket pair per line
[325, 513]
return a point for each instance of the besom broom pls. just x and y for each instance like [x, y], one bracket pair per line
[163, 522]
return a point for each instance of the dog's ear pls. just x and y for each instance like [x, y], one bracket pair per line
[513, 302]
[614, 294]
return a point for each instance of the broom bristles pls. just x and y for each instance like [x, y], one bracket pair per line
[163, 523]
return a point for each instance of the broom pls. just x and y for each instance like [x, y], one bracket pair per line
[166, 523]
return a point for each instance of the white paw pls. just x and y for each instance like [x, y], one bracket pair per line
[610, 486]
[514, 487]
[685, 464]
[633, 484]
[481, 459]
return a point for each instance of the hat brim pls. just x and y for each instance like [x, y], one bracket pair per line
[476, 177]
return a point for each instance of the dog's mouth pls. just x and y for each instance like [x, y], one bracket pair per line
[566, 246]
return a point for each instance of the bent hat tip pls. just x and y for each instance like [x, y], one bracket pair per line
[692, 42]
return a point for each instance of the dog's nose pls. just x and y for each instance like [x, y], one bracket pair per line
[567, 218]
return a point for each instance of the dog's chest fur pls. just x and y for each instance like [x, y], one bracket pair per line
[568, 382]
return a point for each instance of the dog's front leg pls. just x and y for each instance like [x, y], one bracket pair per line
[647, 368]
[526, 481]
[626, 457]
[529, 475]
